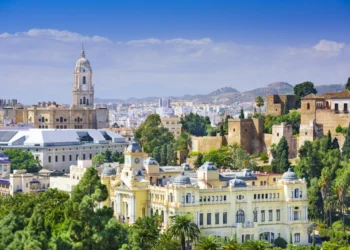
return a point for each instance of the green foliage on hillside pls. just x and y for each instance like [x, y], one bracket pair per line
[195, 124]
[303, 89]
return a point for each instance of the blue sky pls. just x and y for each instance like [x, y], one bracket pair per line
[197, 46]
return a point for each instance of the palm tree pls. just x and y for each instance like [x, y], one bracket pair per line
[182, 227]
[259, 102]
[166, 241]
[255, 245]
[230, 244]
[341, 186]
[207, 243]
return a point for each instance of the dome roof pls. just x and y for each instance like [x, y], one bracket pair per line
[208, 166]
[108, 171]
[150, 161]
[83, 64]
[289, 176]
[237, 183]
[186, 167]
[134, 147]
[182, 180]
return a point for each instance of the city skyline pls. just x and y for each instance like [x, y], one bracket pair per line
[205, 48]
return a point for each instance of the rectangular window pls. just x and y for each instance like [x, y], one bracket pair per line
[296, 215]
[56, 158]
[208, 218]
[70, 157]
[83, 156]
[262, 215]
[255, 213]
[49, 159]
[297, 237]
[201, 219]
[188, 198]
[270, 215]
[224, 218]
[76, 157]
[217, 218]
[224, 197]
[63, 158]
[278, 215]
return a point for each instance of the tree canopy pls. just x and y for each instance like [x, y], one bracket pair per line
[195, 124]
[23, 160]
[303, 89]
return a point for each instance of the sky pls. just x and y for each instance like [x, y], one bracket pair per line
[166, 48]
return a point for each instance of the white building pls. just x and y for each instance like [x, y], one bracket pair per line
[5, 166]
[59, 149]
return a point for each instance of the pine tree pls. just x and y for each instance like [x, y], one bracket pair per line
[346, 146]
[347, 85]
[241, 116]
[163, 155]
[156, 153]
[280, 163]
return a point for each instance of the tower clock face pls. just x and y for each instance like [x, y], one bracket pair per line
[137, 160]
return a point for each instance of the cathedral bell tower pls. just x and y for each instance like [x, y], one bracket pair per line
[83, 90]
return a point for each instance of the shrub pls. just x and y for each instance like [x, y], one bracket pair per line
[339, 129]
[280, 242]
[264, 157]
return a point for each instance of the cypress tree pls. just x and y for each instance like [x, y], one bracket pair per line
[163, 155]
[280, 162]
[156, 153]
[171, 154]
[346, 146]
[329, 140]
[335, 144]
[241, 116]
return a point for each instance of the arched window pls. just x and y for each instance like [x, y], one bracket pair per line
[84, 79]
[296, 193]
[240, 216]
[308, 106]
[61, 119]
[84, 100]
[253, 183]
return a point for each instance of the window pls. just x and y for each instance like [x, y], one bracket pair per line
[188, 198]
[278, 134]
[240, 216]
[270, 215]
[254, 196]
[208, 198]
[296, 193]
[56, 158]
[49, 159]
[255, 216]
[200, 199]
[262, 215]
[63, 158]
[224, 218]
[217, 218]
[224, 197]
[297, 237]
[296, 215]
[278, 215]
[308, 106]
[83, 156]
[208, 218]
[76, 157]
[84, 79]
[201, 219]
[70, 157]
[90, 156]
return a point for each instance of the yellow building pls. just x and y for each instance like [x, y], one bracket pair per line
[249, 205]
[173, 124]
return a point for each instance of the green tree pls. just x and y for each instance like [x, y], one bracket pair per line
[210, 242]
[237, 158]
[163, 155]
[329, 140]
[303, 89]
[280, 163]
[144, 233]
[98, 159]
[347, 85]
[183, 227]
[195, 124]
[230, 244]
[259, 102]
[255, 245]
[226, 122]
[325, 185]
[241, 115]
[280, 242]
[22, 160]
[156, 154]
[199, 160]
[346, 145]
[166, 241]
[314, 195]
[335, 144]
[184, 142]
[171, 155]
[151, 133]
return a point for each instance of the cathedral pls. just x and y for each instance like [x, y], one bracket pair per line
[80, 115]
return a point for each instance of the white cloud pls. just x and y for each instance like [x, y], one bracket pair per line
[59, 35]
[38, 64]
[329, 46]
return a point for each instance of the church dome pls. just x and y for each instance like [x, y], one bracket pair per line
[208, 166]
[238, 183]
[83, 64]
[289, 176]
[109, 171]
[182, 180]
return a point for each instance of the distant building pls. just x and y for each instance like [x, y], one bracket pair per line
[279, 104]
[59, 149]
[5, 166]
[173, 124]
[164, 103]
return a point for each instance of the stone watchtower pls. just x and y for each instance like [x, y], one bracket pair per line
[248, 133]
[83, 90]
[279, 104]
